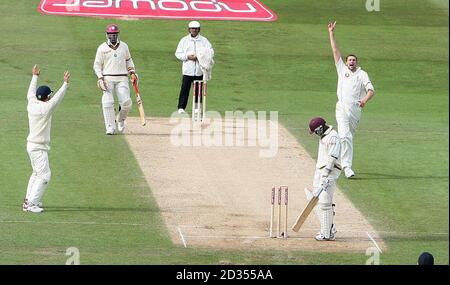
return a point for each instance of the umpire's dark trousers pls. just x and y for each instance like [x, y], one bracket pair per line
[185, 88]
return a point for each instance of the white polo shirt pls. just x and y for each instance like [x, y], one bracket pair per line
[329, 146]
[113, 64]
[40, 115]
[352, 86]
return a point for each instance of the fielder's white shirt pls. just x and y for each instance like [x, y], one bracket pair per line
[329, 146]
[40, 115]
[191, 46]
[352, 86]
[112, 64]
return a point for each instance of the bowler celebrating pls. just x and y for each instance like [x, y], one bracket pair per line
[354, 90]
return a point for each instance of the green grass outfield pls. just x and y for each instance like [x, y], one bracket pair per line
[401, 153]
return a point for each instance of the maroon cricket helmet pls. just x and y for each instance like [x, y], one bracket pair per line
[112, 29]
[315, 123]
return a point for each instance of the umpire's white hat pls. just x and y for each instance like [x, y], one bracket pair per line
[194, 24]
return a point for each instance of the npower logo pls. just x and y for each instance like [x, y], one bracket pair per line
[249, 10]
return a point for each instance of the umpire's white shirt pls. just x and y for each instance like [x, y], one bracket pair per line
[352, 86]
[40, 116]
[191, 46]
[112, 64]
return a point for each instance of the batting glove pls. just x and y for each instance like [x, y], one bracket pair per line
[134, 77]
[101, 84]
[326, 172]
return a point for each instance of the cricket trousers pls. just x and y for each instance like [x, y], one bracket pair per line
[40, 177]
[185, 89]
[347, 118]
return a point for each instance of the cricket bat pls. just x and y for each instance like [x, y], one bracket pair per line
[139, 103]
[305, 213]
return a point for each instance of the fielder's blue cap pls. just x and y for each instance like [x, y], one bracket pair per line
[426, 258]
[42, 92]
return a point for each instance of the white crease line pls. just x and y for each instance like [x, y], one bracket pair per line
[342, 239]
[374, 242]
[229, 237]
[312, 230]
[182, 237]
[76, 223]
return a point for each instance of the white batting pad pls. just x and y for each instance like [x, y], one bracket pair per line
[326, 221]
[110, 121]
[124, 110]
[108, 112]
[325, 207]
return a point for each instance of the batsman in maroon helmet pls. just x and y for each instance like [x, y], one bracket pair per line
[327, 172]
[113, 64]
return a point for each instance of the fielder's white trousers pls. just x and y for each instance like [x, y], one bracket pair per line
[122, 91]
[347, 118]
[40, 177]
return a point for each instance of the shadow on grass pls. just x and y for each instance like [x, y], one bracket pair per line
[96, 209]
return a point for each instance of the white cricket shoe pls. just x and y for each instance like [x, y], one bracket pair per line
[110, 131]
[25, 205]
[321, 237]
[34, 209]
[181, 111]
[121, 126]
[349, 173]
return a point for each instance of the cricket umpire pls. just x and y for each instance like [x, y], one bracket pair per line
[189, 50]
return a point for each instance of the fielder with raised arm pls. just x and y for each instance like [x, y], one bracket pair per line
[112, 65]
[354, 90]
[40, 110]
[327, 172]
